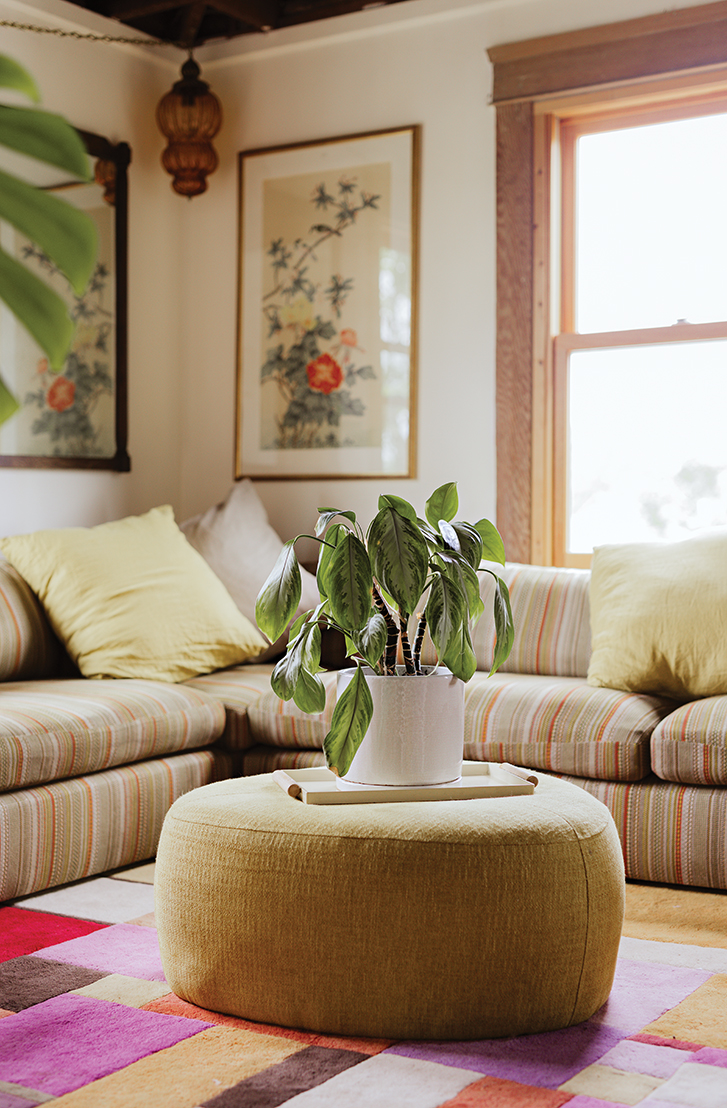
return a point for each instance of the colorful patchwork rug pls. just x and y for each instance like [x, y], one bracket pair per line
[86, 1019]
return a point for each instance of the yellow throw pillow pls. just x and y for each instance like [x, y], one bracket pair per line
[133, 599]
[659, 617]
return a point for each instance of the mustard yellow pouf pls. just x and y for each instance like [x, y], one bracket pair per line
[458, 919]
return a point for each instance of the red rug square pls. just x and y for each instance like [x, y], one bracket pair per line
[23, 931]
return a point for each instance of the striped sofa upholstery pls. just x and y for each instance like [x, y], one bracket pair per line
[88, 769]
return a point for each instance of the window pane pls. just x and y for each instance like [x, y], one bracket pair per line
[651, 225]
[647, 443]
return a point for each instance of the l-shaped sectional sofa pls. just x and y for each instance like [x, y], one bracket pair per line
[88, 768]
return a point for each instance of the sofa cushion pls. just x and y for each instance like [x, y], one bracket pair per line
[690, 745]
[236, 540]
[551, 615]
[560, 724]
[55, 729]
[28, 647]
[236, 689]
[658, 616]
[133, 599]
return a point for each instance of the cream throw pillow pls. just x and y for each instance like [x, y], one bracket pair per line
[238, 543]
[659, 617]
[133, 599]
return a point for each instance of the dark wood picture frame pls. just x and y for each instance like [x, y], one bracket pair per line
[112, 161]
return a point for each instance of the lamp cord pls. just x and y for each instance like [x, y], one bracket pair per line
[89, 37]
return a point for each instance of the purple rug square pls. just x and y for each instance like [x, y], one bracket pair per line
[72, 1040]
[123, 948]
[546, 1060]
[710, 1056]
[592, 1102]
[642, 991]
[29, 980]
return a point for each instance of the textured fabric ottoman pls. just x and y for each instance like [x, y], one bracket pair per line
[453, 919]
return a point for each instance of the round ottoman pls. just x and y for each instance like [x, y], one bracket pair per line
[456, 919]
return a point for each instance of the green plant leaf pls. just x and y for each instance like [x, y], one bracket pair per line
[493, 548]
[461, 572]
[280, 595]
[12, 75]
[442, 504]
[403, 507]
[284, 677]
[44, 136]
[400, 557]
[460, 657]
[504, 626]
[65, 234]
[8, 403]
[327, 514]
[38, 308]
[350, 722]
[349, 581]
[371, 642]
[445, 611]
[332, 539]
[449, 535]
[309, 693]
[470, 542]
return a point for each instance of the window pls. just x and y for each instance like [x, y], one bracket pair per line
[640, 352]
[612, 284]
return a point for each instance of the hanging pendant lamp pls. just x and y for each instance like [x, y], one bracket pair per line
[189, 117]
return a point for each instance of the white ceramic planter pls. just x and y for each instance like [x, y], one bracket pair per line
[416, 735]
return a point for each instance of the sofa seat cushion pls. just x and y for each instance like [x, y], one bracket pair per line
[275, 722]
[51, 730]
[236, 689]
[560, 724]
[690, 746]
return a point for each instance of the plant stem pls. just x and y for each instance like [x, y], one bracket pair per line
[419, 640]
[406, 646]
[392, 639]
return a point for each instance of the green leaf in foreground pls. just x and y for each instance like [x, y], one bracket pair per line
[38, 308]
[44, 136]
[350, 722]
[65, 234]
[12, 75]
[8, 404]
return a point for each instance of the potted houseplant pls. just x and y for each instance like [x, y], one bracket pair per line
[383, 590]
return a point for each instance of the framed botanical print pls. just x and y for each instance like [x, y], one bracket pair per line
[327, 314]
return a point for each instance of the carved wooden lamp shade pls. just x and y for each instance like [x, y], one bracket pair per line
[189, 116]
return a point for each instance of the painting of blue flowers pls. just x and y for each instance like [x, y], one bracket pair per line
[327, 308]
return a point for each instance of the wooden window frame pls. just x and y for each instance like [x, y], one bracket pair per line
[669, 59]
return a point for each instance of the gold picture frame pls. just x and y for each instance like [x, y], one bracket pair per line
[327, 308]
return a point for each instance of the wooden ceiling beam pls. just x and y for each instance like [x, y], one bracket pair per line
[134, 9]
[262, 14]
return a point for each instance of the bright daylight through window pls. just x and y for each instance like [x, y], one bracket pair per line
[641, 358]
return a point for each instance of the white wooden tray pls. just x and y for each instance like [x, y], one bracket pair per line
[317, 785]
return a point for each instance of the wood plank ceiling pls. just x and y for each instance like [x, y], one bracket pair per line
[193, 22]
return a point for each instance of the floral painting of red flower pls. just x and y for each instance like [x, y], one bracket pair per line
[324, 374]
[61, 394]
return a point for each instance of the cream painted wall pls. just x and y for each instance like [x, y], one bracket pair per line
[421, 61]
